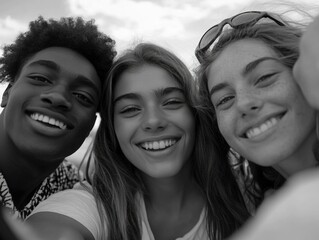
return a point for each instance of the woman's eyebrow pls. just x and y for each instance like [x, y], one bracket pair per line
[165, 91]
[132, 96]
[248, 69]
[252, 65]
[84, 81]
[158, 93]
[217, 88]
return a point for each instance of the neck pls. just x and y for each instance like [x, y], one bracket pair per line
[173, 205]
[172, 193]
[22, 173]
[300, 160]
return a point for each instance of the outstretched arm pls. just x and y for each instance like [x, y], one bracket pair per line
[43, 227]
[292, 213]
[69, 214]
[53, 226]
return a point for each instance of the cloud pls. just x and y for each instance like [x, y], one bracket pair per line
[138, 17]
[176, 25]
[173, 24]
[9, 28]
[165, 17]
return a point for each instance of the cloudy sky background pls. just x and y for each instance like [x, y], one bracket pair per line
[173, 24]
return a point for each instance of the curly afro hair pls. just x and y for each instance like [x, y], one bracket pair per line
[73, 33]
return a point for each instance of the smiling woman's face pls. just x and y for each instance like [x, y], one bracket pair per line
[153, 122]
[260, 110]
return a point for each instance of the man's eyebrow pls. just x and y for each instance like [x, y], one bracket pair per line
[49, 64]
[217, 88]
[165, 91]
[252, 65]
[87, 82]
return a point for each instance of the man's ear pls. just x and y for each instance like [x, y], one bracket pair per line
[5, 95]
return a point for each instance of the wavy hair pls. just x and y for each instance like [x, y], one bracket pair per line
[117, 181]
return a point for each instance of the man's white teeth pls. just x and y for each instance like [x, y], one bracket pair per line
[43, 118]
[156, 145]
[253, 132]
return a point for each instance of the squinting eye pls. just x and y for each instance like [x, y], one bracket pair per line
[264, 79]
[224, 100]
[130, 111]
[173, 103]
[83, 98]
[40, 78]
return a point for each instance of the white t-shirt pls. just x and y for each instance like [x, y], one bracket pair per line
[79, 204]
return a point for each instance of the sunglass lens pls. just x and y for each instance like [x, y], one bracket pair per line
[244, 18]
[208, 36]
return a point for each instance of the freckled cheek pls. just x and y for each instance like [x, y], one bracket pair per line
[226, 126]
[288, 91]
[299, 102]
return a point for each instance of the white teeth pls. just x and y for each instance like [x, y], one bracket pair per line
[161, 144]
[158, 145]
[253, 132]
[46, 119]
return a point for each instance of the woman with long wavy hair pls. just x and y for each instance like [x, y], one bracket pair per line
[246, 77]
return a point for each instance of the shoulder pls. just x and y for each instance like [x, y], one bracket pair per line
[73, 207]
[69, 199]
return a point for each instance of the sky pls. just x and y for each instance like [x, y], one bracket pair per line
[174, 24]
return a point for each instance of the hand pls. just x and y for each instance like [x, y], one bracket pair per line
[306, 69]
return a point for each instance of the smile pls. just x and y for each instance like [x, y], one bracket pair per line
[253, 132]
[48, 120]
[158, 145]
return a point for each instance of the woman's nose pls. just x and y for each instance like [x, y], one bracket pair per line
[248, 103]
[154, 120]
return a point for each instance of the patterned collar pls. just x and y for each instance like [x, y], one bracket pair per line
[64, 177]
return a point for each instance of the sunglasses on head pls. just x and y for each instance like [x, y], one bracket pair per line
[238, 21]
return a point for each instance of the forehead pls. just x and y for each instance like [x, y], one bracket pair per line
[65, 58]
[144, 79]
[237, 55]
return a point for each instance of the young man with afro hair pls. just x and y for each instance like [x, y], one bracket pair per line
[55, 72]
